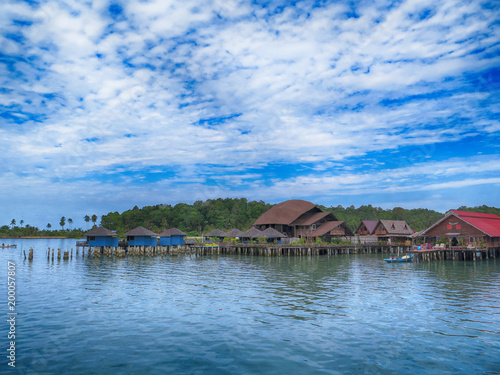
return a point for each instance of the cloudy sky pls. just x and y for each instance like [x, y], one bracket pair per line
[106, 105]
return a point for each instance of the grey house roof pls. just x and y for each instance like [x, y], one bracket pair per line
[235, 233]
[172, 232]
[100, 231]
[253, 233]
[216, 233]
[141, 231]
[272, 233]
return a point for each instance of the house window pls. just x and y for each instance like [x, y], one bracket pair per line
[471, 239]
[458, 226]
[448, 226]
[91, 238]
[130, 238]
[313, 227]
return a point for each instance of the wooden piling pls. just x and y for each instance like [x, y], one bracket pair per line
[66, 255]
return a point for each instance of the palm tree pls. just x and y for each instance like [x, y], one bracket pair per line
[70, 222]
[49, 226]
[62, 223]
[21, 222]
[87, 220]
[94, 219]
[13, 222]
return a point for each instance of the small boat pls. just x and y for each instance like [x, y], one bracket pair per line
[7, 246]
[403, 259]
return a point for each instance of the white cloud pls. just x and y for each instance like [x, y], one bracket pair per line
[309, 84]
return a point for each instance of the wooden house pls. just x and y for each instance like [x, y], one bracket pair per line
[366, 228]
[141, 237]
[253, 234]
[393, 230]
[101, 236]
[273, 236]
[216, 234]
[172, 236]
[466, 228]
[295, 218]
[235, 233]
[329, 230]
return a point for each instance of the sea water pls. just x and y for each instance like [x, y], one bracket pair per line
[346, 314]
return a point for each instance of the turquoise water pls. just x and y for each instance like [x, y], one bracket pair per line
[350, 314]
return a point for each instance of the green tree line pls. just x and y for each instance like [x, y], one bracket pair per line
[194, 219]
[204, 216]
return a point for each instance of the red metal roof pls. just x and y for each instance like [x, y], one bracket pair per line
[487, 223]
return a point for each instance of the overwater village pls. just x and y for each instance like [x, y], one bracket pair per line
[299, 227]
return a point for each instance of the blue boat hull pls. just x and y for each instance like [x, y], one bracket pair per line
[403, 259]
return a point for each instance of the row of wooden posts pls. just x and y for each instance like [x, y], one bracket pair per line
[465, 255]
[274, 250]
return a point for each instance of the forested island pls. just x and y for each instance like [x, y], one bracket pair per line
[204, 216]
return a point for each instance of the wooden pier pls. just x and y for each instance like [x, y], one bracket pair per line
[455, 253]
[245, 249]
[424, 255]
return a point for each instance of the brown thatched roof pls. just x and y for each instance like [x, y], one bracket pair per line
[235, 233]
[172, 232]
[285, 212]
[253, 233]
[330, 225]
[395, 227]
[141, 231]
[313, 217]
[100, 231]
[272, 233]
[216, 233]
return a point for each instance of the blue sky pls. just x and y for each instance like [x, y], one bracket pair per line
[108, 105]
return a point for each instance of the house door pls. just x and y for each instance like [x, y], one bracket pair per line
[454, 241]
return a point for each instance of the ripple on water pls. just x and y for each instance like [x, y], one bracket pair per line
[216, 315]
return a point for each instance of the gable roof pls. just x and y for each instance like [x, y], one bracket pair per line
[369, 224]
[215, 233]
[100, 231]
[285, 212]
[396, 227]
[272, 233]
[141, 231]
[489, 224]
[328, 226]
[172, 232]
[310, 218]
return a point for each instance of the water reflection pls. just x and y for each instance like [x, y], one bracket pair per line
[218, 314]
